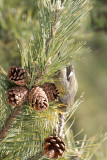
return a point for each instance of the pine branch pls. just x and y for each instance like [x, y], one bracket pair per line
[55, 41]
[58, 24]
[9, 121]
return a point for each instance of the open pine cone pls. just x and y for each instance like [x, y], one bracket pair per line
[17, 95]
[38, 99]
[17, 75]
[53, 147]
[50, 90]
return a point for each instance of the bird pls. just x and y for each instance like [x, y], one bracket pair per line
[67, 86]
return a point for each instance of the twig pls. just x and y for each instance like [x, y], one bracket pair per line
[60, 131]
[61, 124]
[75, 158]
[48, 42]
[9, 121]
[53, 30]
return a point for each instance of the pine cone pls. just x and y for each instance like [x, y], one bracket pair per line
[38, 99]
[53, 147]
[17, 75]
[17, 95]
[50, 90]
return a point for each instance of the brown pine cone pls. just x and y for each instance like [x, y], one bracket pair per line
[17, 75]
[17, 95]
[53, 147]
[38, 99]
[50, 90]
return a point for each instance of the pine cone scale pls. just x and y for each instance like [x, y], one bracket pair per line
[56, 155]
[60, 152]
[62, 146]
[51, 154]
[46, 145]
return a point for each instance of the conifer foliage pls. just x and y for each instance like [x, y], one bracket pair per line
[34, 116]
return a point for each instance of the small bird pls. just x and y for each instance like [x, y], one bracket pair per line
[67, 86]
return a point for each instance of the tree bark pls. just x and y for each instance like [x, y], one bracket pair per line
[9, 121]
